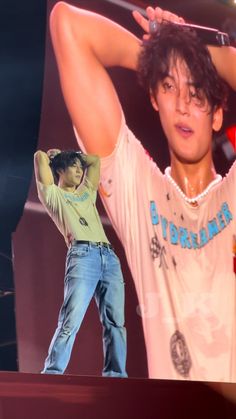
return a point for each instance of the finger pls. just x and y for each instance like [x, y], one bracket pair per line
[153, 22]
[146, 36]
[168, 16]
[137, 16]
[150, 13]
[171, 17]
[53, 151]
[158, 14]
[141, 20]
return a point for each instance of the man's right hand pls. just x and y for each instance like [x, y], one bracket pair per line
[157, 14]
[52, 152]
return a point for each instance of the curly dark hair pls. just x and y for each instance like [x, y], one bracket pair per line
[170, 43]
[63, 160]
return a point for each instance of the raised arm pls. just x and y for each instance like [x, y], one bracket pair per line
[84, 44]
[42, 169]
[224, 58]
[92, 163]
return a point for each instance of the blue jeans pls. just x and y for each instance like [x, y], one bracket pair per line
[91, 271]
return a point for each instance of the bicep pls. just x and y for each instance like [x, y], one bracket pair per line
[94, 109]
[93, 174]
[88, 91]
[42, 170]
[224, 59]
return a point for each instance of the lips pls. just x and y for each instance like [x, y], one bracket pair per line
[184, 130]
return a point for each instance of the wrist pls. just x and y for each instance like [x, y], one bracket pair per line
[51, 153]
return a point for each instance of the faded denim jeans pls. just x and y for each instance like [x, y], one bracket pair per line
[91, 270]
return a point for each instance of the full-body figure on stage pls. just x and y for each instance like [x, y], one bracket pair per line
[92, 267]
[177, 228]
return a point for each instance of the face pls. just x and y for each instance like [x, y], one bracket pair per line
[186, 116]
[72, 175]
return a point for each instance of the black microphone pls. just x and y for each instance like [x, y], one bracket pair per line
[209, 36]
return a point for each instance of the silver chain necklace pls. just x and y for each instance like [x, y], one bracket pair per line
[195, 198]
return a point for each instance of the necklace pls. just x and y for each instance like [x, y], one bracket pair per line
[195, 198]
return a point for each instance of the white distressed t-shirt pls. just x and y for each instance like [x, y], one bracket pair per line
[181, 261]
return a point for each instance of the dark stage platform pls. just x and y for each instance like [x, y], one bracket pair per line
[35, 396]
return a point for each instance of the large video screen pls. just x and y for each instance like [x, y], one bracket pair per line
[168, 236]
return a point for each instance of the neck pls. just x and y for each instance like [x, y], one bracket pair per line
[67, 188]
[192, 179]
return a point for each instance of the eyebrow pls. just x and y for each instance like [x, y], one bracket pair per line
[189, 83]
[77, 163]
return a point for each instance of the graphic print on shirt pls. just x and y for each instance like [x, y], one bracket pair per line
[181, 236]
[179, 354]
[75, 199]
[158, 251]
[104, 187]
[83, 222]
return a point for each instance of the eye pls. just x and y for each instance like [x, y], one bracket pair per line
[168, 86]
[197, 95]
[193, 93]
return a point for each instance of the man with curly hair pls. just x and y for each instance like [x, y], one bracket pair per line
[92, 267]
[177, 228]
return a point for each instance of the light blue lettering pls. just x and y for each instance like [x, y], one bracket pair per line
[164, 224]
[173, 234]
[194, 240]
[221, 220]
[154, 213]
[226, 212]
[203, 237]
[213, 229]
[184, 239]
[75, 198]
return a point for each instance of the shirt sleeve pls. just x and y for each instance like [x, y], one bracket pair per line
[230, 181]
[93, 191]
[49, 196]
[126, 177]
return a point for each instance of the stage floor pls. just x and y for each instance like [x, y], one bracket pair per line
[36, 396]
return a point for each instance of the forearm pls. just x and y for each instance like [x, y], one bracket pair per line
[224, 59]
[40, 157]
[91, 160]
[42, 169]
[92, 164]
[108, 42]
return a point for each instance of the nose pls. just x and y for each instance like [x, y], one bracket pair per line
[183, 102]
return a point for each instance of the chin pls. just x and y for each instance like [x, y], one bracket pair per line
[190, 158]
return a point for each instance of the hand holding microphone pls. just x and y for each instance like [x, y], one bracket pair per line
[157, 16]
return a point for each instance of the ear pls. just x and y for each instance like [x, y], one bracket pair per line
[59, 172]
[153, 101]
[217, 119]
